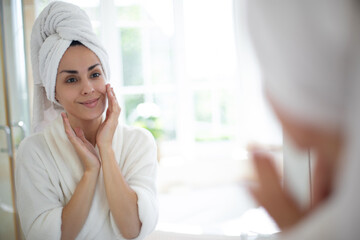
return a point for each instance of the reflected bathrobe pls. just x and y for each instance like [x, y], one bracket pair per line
[48, 170]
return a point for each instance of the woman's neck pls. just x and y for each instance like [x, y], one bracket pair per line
[89, 127]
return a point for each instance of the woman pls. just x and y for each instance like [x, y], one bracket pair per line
[309, 52]
[81, 175]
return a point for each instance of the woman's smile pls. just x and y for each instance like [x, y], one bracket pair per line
[90, 103]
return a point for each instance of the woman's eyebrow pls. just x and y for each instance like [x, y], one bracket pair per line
[93, 66]
[69, 71]
[76, 72]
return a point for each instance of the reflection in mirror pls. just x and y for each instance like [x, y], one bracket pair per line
[191, 79]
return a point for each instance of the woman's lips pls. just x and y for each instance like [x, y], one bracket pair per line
[90, 103]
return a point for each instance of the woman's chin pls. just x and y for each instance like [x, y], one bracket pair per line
[94, 114]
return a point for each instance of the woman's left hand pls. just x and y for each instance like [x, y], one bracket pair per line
[107, 128]
[270, 193]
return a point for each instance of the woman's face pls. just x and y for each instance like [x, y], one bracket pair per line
[80, 84]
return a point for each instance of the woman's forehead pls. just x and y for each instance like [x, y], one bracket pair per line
[78, 57]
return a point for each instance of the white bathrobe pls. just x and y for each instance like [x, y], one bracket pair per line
[48, 171]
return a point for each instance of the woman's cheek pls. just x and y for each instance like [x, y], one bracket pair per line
[103, 87]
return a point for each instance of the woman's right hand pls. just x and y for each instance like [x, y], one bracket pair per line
[84, 149]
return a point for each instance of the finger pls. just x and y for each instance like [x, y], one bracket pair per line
[255, 193]
[272, 203]
[113, 93]
[116, 106]
[113, 107]
[68, 130]
[112, 101]
[107, 113]
[253, 147]
[107, 116]
[109, 95]
[80, 134]
[284, 211]
[266, 170]
[82, 137]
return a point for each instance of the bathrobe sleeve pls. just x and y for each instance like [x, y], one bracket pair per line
[140, 170]
[38, 201]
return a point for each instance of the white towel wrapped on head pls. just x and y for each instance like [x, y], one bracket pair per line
[55, 28]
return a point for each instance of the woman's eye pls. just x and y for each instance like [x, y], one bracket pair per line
[71, 80]
[95, 75]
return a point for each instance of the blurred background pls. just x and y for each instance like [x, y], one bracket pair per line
[184, 70]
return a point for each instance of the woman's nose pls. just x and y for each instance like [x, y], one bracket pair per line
[87, 86]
